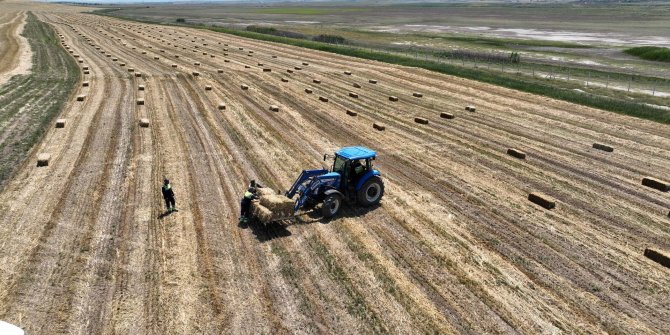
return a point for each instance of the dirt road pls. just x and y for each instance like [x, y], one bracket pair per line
[455, 246]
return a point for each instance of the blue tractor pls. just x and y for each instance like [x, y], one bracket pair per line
[352, 179]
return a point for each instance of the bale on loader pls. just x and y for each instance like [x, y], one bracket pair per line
[267, 70]
[261, 212]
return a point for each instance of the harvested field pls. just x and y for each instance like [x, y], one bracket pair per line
[454, 247]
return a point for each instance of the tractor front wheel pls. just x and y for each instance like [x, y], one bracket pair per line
[331, 205]
[371, 192]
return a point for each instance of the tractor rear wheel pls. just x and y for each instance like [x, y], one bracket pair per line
[331, 205]
[371, 192]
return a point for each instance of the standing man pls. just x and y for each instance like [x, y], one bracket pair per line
[168, 196]
[245, 204]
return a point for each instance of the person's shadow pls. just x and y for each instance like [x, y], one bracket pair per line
[164, 214]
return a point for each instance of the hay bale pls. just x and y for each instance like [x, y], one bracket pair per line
[445, 115]
[274, 56]
[222, 106]
[516, 153]
[195, 73]
[144, 123]
[392, 98]
[658, 184]
[130, 69]
[225, 54]
[140, 102]
[226, 61]
[85, 84]
[176, 56]
[174, 65]
[267, 70]
[144, 52]
[122, 64]
[420, 120]
[260, 64]
[316, 81]
[603, 147]
[84, 67]
[138, 75]
[86, 72]
[261, 213]
[81, 97]
[657, 256]
[417, 94]
[204, 53]
[351, 113]
[247, 67]
[140, 87]
[196, 63]
[43, 159]
[208, 87]
[274, 108]
[308, 90]
[542, 199]
[277, 203]
[353, 95]
[81, 61]
[372, 81]
[244, 87]
[348, 73]
[60, 123]
[298, 68]
[251, 52]
[379, 126]
[471, 108]
[114, 59]
[356, 85]
[324, 99]
[284, 80]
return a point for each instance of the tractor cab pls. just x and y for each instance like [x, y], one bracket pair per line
[353, 164]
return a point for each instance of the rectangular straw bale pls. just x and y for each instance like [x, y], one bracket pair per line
[86, 72]
[43, 159]
[140, 101]
[316, 81]
[81, 97]
[274, 56]
[144, 123]
[138, 75]
[261, 213]
[445, 115]
[260, 64]
[542, 199]
[372, 81]
[208, 87]
[222, 106]
[130, 69]
[353, 95]
[289, 71]
[284, 80]
[351, 113]
[174, 65]
[60, 123]
[392, 98]
[378, 126]
[308, 90]
[247, 67]
[196, 63]
[85, 84]
[84, 67]
[603, 147]
[421, 120]
[219, 71]
[417, 94]
[244, 87]
[195, 74]
[298, 68]
[140, 87]
[658, 184]
[276, 202]
[348, 73]
[356, 85]
[516, 153]
[324, 99]
[470, 108]
[267, 70]
[658, 257]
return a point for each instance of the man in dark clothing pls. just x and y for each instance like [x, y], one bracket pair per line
[168, 196]
[245, 204]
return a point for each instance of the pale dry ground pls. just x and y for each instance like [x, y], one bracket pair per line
[455, 246]
[15, 54]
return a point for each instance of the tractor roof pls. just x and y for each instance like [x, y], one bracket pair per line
[353, 153]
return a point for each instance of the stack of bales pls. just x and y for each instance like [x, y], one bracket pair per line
[272, 206]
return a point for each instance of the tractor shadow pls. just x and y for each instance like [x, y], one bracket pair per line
[266, 232]
[314, 216]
